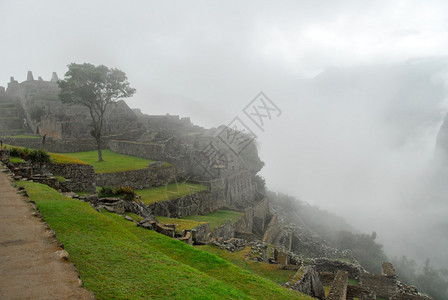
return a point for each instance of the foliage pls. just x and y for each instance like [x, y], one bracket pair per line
[33, 155]
[217, 218]
[426, 278]
[113, 163]
[95, 87]
[128, 193]
[118, 260]
[15, 151]
[364, 248]
[170, 191]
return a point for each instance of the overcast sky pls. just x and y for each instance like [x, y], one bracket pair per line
[361, 84]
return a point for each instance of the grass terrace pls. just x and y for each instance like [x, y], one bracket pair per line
[180, 223]
[118, 260]
[169, 192]
[217, 218]
[26, 136]
[54, 157]
[272, 272]
[113, 162]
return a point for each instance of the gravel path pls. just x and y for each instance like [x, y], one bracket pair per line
[29, 267]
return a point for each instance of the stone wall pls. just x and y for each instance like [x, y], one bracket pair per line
[225, 231]
[200, 203]
[4, 156]
[382, 286]
[359, 292]
[332, 266]
[326, 278]
[78, 177]
[151, 151]
[272, 230]
[339, 287]
[138, 179]
[52, 145]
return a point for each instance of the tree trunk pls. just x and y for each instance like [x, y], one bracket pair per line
[100, 150]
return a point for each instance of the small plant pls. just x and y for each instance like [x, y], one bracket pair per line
[127, 192]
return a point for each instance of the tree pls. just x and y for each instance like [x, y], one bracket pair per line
[95, 87]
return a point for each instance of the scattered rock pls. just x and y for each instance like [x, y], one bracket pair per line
[62, 255]
[129, 218]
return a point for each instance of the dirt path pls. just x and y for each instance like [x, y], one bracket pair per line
[29, 268]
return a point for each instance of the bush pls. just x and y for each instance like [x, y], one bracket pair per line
[127, 192]
[36, 156]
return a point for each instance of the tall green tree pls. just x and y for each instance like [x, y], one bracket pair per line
[95, 87]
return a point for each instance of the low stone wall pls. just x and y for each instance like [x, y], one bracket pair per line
[225, 231]
[145, 150]
[360, 293]
[200, 203]
[272, 231]
[4, 156]
[383, 286]
[201, 233]
[339, 287]
[326, 278]
[79, 177]
[138, 179]
[333, 266]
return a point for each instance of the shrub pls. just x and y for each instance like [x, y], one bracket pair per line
[127, 192]
[37, 156]
[106, 191]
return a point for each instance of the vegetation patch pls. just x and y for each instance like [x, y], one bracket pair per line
[113, 162]
[134, 217]
[180, 223]
[272, 272]
[249, 284]
[17, 151]
[128, 193]
[16, 160]
[25, 136]
[34, 155]
[217, 218]
[169, 192]
[353, 281]
[113, 262]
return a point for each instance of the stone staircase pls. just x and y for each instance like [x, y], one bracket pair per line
[10, 121]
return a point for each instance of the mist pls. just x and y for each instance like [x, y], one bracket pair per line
[362, 89]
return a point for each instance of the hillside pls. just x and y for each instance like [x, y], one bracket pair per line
[116, 259]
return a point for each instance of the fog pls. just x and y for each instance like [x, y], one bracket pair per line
[362, 89]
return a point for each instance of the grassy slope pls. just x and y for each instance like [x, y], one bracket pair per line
[113, 162]
[269, 271]
[217, 218]
[214, 266]
[116, 259]
[114, 263]
[171, 191]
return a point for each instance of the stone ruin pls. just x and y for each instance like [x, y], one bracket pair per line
[335, 273]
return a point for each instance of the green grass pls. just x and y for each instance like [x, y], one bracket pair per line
[217, 218]
[16, 160]
[180, 223]
[272, 272]
[353, 281]
[118, 260]
[56, 157]
[244, 281]
[168, 192]
[115, 263]
[26, 136]
[135, 217]
[113, 162]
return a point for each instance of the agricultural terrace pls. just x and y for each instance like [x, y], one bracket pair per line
[169, 192]
[217, 218]
[113, 162]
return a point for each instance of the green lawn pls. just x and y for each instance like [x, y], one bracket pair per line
[180, 223]
[217, 218]
[113, 162]
[26, 136]
[118, 260]
[250, 284]
[168, 192]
